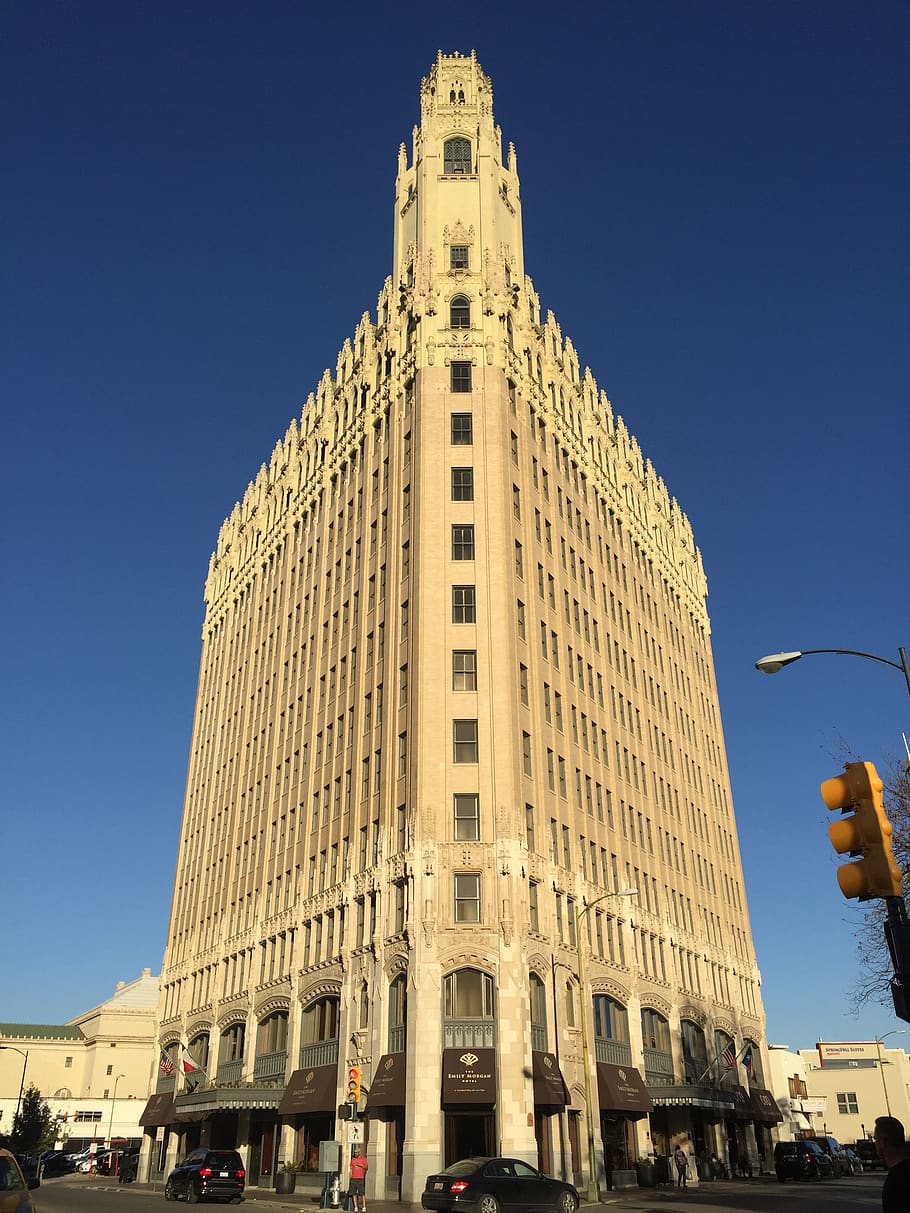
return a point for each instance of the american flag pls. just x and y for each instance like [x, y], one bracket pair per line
[729, 1055]
[165, 1065]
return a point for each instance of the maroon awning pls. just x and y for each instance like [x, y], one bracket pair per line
[764, 1107]
[549, 1087]
[158, 1111]
[387, 1085]
[469, 1076]
[312, 1090]
[621, 1089]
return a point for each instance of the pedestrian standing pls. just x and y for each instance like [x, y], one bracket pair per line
[682, 1166]
[892, 1148]
[357, 1188]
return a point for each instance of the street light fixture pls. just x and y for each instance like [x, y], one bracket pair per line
[24, 1054]
[881, 1068]
[776, 661]
[593, 1186]
[110, 1127]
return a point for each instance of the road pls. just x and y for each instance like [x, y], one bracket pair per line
[859, 1194]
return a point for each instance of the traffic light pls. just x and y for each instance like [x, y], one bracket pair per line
[866, 833]
[354, 1085]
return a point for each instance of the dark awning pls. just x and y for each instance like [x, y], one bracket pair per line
[312, 1090]
[764, 1107]
[549, 1087]
[159, 1111]
[742, 1104]
[387, 1086]
[621, 1089]
[469, 1076]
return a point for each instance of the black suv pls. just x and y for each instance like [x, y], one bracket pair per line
[801, 1160]
[205, 1173]
[836, 1152]
[868, 1155]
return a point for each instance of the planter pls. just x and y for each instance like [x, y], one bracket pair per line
[646, 1174]
[285, 1182]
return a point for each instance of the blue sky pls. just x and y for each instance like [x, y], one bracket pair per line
[197, 210]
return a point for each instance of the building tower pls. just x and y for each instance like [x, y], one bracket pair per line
[456, 696]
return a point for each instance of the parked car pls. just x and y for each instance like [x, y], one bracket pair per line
[835, 1152]
[15, 1186]
[487, 1185]
[55, 1162]
[205, 1173]
[856, 1163]
[801, 1160]
[870, 1157]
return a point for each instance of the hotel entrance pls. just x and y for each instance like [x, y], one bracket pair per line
[469, 1135]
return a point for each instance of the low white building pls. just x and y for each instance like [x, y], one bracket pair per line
[93, 1071]
[839, 1088]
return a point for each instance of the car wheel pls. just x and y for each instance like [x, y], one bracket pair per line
[566, 1203]
[488, 1204]
[169, 1191]
[192, 1194]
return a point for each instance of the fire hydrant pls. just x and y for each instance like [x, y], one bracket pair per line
[335, 1194]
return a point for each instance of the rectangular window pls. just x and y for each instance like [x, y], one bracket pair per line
[467, 816]
[529, 826]
[533, 907]
[462, 484]
[467, 897]
[464, 670]
[464, 605]
[458, 256]
[847, 1103]
[526, 753]
[462, 542]
[523, 683]
[461, 376]
[464, 741]
[462, 429]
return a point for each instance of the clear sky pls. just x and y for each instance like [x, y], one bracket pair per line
[196, 210]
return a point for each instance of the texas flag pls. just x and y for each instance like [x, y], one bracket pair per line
[189, 1065]
[747, 1062]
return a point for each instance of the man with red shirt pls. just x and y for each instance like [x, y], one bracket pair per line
[357, 1186]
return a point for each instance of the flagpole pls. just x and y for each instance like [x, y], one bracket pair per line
[711, 1066]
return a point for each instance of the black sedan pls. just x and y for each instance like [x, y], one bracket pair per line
[487, 1185]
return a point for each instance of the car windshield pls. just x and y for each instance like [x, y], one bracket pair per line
[223, 1159]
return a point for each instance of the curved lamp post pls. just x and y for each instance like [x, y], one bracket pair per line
[24, 1054]
[881, 1068]
[593, 1186]
[776, 661]
[110, 1127]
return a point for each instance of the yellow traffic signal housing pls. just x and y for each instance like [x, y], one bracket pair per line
[866, 833]
[354, 1075]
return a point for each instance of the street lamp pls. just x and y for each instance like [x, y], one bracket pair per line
[881, 1068]
[593, 1187]
[24, 1054]
[110, 1127]
[776, 661]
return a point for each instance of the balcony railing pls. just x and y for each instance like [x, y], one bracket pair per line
[271, 1065]
[617, 1052]
[323, 1053]
[230, 1073]
[658, 1067]
[468, 1034]
[397, 1039]
[538, 1038]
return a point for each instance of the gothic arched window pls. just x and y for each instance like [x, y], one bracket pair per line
[460, 312]
[456, 156]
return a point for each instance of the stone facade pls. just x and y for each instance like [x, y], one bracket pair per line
[456, 693]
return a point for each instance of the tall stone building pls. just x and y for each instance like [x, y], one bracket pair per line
[456, 698]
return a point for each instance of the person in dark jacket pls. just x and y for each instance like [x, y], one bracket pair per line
[892, 1148]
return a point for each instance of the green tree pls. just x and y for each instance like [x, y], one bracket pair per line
[875, 969]
[34, 1128]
